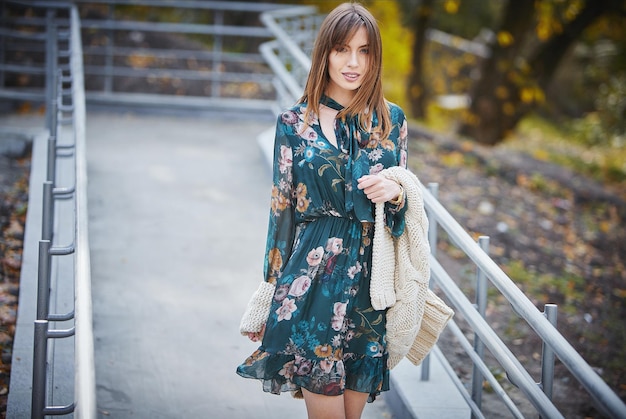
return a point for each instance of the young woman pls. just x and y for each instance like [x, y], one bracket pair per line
[320, 335]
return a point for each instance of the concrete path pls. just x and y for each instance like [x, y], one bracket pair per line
[178, 215]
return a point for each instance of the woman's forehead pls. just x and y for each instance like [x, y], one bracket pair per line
[355, 34]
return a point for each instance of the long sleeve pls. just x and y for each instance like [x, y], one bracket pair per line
[281, 226]
[394, 214]
[280, 233]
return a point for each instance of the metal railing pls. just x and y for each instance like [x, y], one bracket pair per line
[134, 62]
[64, 216]
[286, 57]
[294, 29]
[139, 63]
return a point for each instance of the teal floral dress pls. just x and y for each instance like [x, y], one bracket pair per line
[322, 333]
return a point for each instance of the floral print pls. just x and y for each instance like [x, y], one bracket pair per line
[322, 333]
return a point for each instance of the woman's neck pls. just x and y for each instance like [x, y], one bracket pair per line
[343, 97]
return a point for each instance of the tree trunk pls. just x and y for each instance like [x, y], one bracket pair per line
[492, 98]
[545, 59]
[415, 85]
[498, 103]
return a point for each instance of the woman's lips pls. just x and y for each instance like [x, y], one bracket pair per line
[351, 76]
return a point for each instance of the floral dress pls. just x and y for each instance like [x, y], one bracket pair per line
[322, 333]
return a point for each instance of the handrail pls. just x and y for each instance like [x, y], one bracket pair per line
[269, 19]
[605, 397]
[190, 4]
[268, 50]
[208, 80]
[85, 381]
[64, 66]
[555, 344]
[284, 55]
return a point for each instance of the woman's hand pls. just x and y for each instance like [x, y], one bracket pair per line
[379, 188]
[256, 336]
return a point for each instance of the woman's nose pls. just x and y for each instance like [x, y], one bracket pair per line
[353, 60]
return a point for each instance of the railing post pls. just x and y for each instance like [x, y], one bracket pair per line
[40, 337]
[108, 55]
[479, 346]
[40, 365]
[43, 280]
[218, 22]
[547, 354]
[432, 240]
[51, 70]
[52, 154]
[47, 213]
[3, 47]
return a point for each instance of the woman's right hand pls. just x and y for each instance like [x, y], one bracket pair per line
[256, 336]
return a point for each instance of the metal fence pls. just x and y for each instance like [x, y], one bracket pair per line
[189, 55]
[176, 55]
[64, 209]
[287, 58]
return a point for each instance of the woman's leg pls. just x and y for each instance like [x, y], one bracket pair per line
[348, 406]
[354, 403]
[319, 406]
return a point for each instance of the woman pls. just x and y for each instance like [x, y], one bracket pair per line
[322, 337]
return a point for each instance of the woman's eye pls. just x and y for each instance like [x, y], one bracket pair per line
[365, 51]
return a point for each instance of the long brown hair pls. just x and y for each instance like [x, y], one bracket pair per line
[337, 29]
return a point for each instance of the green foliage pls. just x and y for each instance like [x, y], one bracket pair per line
[465, 18]
[607, 125]
[568, 144]
[397, 42]
[569, 289]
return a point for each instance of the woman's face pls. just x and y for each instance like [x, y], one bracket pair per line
[347, 66]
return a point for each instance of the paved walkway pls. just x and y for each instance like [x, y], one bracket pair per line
[177, 221]
[178, 216]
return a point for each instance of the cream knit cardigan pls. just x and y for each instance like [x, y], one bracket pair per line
[400, 277]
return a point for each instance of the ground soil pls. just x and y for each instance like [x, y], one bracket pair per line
[14, 175]
[564, 230]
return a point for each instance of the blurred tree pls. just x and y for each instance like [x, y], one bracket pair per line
[422, 15]
[531, 41]
[418, 14]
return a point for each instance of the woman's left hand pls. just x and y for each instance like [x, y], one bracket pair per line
[379, 188]
[256, 336]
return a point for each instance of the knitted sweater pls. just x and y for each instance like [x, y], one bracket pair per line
[400, 277]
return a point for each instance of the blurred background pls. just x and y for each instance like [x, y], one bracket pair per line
[517, 109]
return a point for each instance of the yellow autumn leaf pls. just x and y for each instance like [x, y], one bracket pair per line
[573, 9]
[451, 6]
[541, 154]
[505, 38]
[544, 32]
[526, 94]
[453, 159]
[140, 60]
[605, 226]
